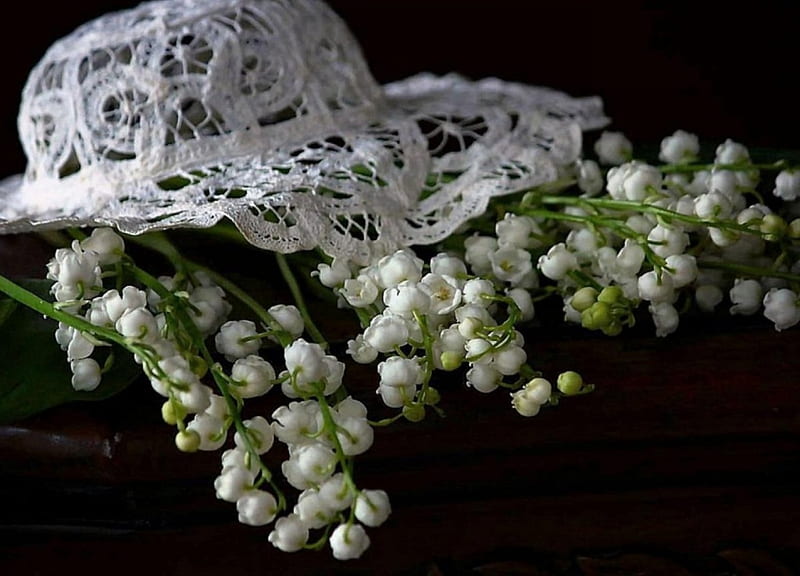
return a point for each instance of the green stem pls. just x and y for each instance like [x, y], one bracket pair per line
[745, 270]
[46, 308]
[284, 338]
[297, 294]
[639, 207]
[329, 423]
[427, 344]
[159, 243]
[220, 379]
[738, 167]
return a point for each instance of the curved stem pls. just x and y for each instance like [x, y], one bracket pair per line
[216, 372]
[745, 270]
[46, 308]
[330, 425]
[299, 300]
[427, 344]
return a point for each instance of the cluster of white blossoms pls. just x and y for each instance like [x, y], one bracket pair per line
[613, 235]
[165, 325]
[444, 314]
[663, 233]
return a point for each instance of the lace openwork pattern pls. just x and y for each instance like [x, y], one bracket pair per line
[179, 113]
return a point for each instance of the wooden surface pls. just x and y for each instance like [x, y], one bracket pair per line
[684, 461]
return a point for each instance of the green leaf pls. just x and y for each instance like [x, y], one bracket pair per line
[34, 373]
[7, 307]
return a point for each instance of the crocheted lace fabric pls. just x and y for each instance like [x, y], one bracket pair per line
[179, 113]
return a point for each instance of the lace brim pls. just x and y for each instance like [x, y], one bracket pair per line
[428, 162]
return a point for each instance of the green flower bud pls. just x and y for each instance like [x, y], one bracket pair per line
[583, 298]
[172, 412]
[187, 441]
[414, 412]
[451, 360]
[198, 366]
[773, 227]
[614, 328]
[597, 316]
[569, 383]
[432, 396]
[611, 294]
[794, 229]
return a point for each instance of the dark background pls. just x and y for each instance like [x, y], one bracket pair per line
[717, 69]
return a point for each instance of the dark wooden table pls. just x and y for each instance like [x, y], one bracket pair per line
[684, 460]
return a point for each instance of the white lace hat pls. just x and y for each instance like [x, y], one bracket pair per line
[178, 113]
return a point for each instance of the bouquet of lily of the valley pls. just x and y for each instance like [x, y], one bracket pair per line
[437, 212]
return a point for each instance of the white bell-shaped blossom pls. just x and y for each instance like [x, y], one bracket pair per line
[444, 293]
[682, 269]
[483, 378]
[522, 298]
[665, 317]
[406, 298]
[402, 266]
[349, 541]
[613, 148]
[315, 462]
[361, 351]
[398, 371]
[116, 303]
[333, 274]
[237, 339]
[782, 308]
[787, 185]
[359, 292]
[712, 205]
[590, 177]
[210, 430]
[256, 508]
[313, 509]
[253, 376]
[528, 400]
[655, 287]
[746, 295]
[297, 422]
[708, 296]
[138, 324]
[476, 253]
[86, 374]
[355, 435]
[289, 318]
[666, 240]
[336, 493]
[730, 152]
[304, 361]
[680, 148]
[386, 332]
[477, 291]
[558, 262]
[289, 534]
[510, 264]
[509, 359]
[259, 433]
[448, 265]
[107, 244]
[516, 231]
[372, 507]
[232, 483]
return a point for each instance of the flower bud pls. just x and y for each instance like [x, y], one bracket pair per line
[187, 441]
[569, 383]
